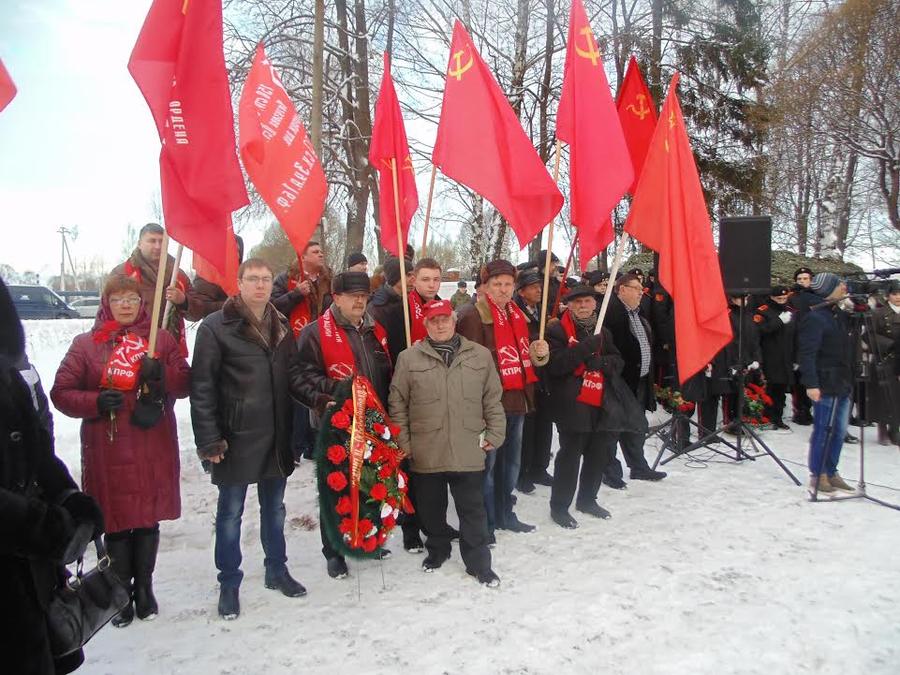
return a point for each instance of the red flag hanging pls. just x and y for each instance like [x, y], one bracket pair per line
[389, 142]
[637, 113]
[7, 87]
[178, 64]
[480, 143]
[228, 281]
[669, 215]
[278, 155]
[600, 167]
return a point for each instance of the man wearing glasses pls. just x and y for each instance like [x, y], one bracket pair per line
[634, 340]
[243, 376]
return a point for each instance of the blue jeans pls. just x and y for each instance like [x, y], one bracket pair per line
[828, 411]
[501, 473]
[271, 529]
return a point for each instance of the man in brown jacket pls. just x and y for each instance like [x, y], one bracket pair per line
[494, 321]
[445, 397]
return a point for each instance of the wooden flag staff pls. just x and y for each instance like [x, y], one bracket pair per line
[549, 258]
[401, 244]
[172, 281]
[427, 210]
[158, 293]
[617, 261]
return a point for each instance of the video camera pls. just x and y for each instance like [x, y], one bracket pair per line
[864, 284]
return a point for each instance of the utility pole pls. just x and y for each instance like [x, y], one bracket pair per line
[65, 253]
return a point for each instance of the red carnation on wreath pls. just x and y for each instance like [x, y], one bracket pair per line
[359, 506]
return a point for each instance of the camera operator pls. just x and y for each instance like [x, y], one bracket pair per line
[824, 356]
[884, 401]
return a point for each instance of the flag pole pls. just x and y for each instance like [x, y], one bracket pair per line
[549, 258]
[427, 209]
[172, 280]
[556, 301]
[617, 261]
[401, 245]
[158, 293]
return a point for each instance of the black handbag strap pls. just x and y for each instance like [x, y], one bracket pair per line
[103, 562]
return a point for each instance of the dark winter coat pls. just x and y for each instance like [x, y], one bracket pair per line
[386, 307]
[744, 347]
[286, 300]
[777, 341]
[209, 297]
[883, 391]
[476, 323]
[661, 316]
[315, 388]
[135, 476]
[241, 393]
[619, 326]
[824, 350]
[620, 410]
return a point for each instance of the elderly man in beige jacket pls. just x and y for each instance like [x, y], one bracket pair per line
[445, 397]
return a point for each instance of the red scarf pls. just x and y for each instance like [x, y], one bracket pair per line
[124, 364]
[300, 315]
[511, 341]
[176, 320]
[340, 363]
[416, 317]
[592, 380]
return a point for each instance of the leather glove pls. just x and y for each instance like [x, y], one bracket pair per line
[151, 370]
[213, 449]
[109, 399]
[84, 509]
[785, 317]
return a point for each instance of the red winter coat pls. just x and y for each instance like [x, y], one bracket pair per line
[135, 477]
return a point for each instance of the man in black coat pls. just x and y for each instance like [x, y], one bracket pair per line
[386, 306]
[243, 375]
[45, 520]
[319, 379]
[634, 339]
[776, 324]
[590, 404]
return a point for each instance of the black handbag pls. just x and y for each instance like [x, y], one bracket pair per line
[84, 604]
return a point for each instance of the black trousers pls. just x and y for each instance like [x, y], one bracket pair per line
[708, 412]
[303, 436]
[465, 486]
[801, 403]
[777, 392]
[409, 522]
[597, 448]
[632, 442]
[537, 436]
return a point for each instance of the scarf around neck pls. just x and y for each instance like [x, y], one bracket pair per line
[511, 341]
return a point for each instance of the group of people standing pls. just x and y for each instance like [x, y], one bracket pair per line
[475, 391]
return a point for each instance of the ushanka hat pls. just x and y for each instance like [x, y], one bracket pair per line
[580, 291]
[528, 278]
[351, 282]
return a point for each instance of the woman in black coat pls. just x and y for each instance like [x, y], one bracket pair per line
[44, 519]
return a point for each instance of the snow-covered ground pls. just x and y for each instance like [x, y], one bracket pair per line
[720, 568]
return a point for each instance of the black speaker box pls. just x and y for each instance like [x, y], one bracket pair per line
[745, 254]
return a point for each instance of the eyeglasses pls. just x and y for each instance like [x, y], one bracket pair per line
[634, 288]
[257, 280]
[128, 300]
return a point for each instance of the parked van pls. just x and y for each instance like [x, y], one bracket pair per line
[39, 302]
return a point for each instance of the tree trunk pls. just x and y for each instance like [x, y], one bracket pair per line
[545, 139]
[315, 114]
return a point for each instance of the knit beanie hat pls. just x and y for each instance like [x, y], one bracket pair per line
[824, 283]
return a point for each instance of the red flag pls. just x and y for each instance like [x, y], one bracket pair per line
[637, 113]
[389, 143]
[600, 166]
[480, 143]
[178, 64]
[7, 87]
[669, 215]
[278, 155]
[228, 281]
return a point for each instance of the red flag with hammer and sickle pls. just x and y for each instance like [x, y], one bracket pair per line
[669, 215]
[637, 112]
[179, 66]
[7, 87]
[278, 155]
[480, 143]
[600, 166]
[389, 145]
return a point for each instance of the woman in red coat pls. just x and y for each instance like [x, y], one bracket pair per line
[129, 465]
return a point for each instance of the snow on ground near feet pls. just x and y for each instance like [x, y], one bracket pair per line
[720, 568]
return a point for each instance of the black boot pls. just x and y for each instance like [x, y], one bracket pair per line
[119, 547]
[145, 547]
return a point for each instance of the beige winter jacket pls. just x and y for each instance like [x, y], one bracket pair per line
[442, 411]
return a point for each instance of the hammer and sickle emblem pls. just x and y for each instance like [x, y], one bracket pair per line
[591, 52]
[671, 126]
[642, 110]
[405, 164]
[461, 67]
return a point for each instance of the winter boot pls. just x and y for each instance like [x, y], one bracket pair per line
[883, 435]
[145, 547]
[839, 483]
[119, 548]
[823, 483]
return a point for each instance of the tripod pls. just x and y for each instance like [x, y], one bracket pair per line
[757, 447]
[861, 323]
[668, 433]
